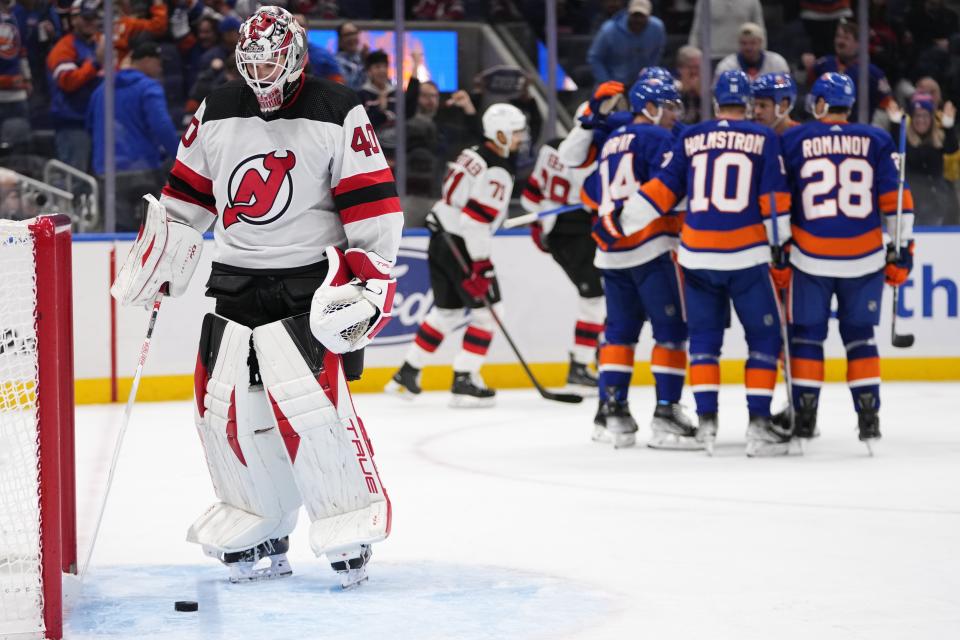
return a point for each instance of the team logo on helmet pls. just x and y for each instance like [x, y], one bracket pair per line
[260, 189]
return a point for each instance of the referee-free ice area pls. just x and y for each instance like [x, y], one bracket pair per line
[509, 523]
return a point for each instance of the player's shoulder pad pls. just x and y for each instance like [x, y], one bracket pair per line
[319, 99]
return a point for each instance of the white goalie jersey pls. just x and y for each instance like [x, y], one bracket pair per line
[476, 194]
[278, 191]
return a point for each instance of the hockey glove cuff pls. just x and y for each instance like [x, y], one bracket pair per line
[607, 98]
[780, 269]
[898, 269]
[607, 230]
[478, 284]
[539, 237]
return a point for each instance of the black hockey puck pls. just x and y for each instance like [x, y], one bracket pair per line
[185, 605]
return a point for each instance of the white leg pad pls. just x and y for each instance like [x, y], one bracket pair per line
[245, 454]
[332, 457]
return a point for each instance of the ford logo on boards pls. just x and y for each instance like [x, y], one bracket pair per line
[413, 298]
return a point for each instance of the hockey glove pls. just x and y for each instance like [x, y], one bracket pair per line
[898, 269]
[539, 237]
[607, 98]
[478, 284]
[165, 252]
[780, 269]
[354, 302]
[607, 230]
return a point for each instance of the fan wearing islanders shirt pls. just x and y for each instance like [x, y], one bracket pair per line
[774, 95]
[844, 178]
[732, 172]
[640, 278]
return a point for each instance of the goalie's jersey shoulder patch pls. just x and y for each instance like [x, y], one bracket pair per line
[319, 100]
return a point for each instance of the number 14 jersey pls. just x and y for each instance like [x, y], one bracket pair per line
[844, 179]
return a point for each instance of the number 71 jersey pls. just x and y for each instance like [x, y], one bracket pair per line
[844, 179]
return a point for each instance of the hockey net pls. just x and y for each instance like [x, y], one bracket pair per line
[37, 512]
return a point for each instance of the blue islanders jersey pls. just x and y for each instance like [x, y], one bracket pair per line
[844, 179]
[630, 156]
[732, 173]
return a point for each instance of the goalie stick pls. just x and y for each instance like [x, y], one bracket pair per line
[530, 218]
[900, 340]
[570, 398]
[144, 350]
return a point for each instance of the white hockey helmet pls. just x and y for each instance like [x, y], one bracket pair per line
[271, 55]
[500, 121]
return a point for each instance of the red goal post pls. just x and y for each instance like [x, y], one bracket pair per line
[37, 477]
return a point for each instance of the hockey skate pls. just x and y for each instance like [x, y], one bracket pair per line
[581, 380]
[600, 424]
[707, 431]
[765, 439]
[351, 565]
[405, 383]
[469, 391]
[672, 429]
[619, 426]
[805, 418]
[243, 564]
[868, 421]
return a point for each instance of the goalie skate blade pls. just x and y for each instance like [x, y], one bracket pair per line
[399, 391]
[460, 401]
[244, 572]
[353, 578]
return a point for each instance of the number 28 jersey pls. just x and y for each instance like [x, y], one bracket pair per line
[844, 179]
[732, 174]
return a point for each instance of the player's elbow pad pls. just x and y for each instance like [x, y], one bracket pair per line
[166, 252]
[637, 213]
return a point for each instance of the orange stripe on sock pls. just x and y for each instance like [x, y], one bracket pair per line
[806, 368]
[706, 373]
[673, 358]
[616, 354]
[760, 378]
[863, 368]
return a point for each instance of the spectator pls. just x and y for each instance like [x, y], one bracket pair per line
[198, 50]
[752, 58]
[438, 10]
[726, 17]
[688, 75]
[820, 19]
[627, 42]
[377, 93]
[458, 124]
[350, 55]
[320, 62]
[929, 23]
[606, 10]
[884, 45]
[951, 161]
[219, 73]
[14, 79]
[127, 25]
[228, 33]
[847, 48]
[74, 64]
[934, 199]
[145, 135]
[40, 27]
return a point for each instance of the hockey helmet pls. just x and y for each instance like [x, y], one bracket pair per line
[836, 89]
[777, 87]
[505, 119]
[662, 93]
[657, 72]
[732, 88]
[271, 55]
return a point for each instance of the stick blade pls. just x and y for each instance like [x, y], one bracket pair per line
[569, 398]
[903, 341]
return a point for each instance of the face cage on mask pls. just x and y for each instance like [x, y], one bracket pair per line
[269, 94]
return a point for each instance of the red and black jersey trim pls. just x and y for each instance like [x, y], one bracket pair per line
[185, 184]
[532, 191]
[366, 195]
[479, 212]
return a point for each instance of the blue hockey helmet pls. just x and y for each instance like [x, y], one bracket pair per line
[836, 89]
[776, 86]
[662, 93]
[732, 88]
[656, 72]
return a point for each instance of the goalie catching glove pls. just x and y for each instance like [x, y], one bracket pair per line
[166, 252]
[354, 302]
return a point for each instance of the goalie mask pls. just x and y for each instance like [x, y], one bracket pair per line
[271, 55]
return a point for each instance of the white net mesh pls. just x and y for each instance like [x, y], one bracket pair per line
[21, 596]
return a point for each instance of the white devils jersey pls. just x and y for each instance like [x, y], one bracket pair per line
[552, 184]
[476, 194]
[279, 191]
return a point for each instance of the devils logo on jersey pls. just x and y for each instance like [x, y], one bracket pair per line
[260, 189]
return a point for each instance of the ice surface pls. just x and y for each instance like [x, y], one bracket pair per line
[510, 523]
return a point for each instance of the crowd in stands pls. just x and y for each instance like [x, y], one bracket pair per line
[171, 53]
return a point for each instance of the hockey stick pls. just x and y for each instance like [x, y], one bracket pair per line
[782, 310]
[901, 340]
[144, 350]
[529, 218]
[546, 394]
